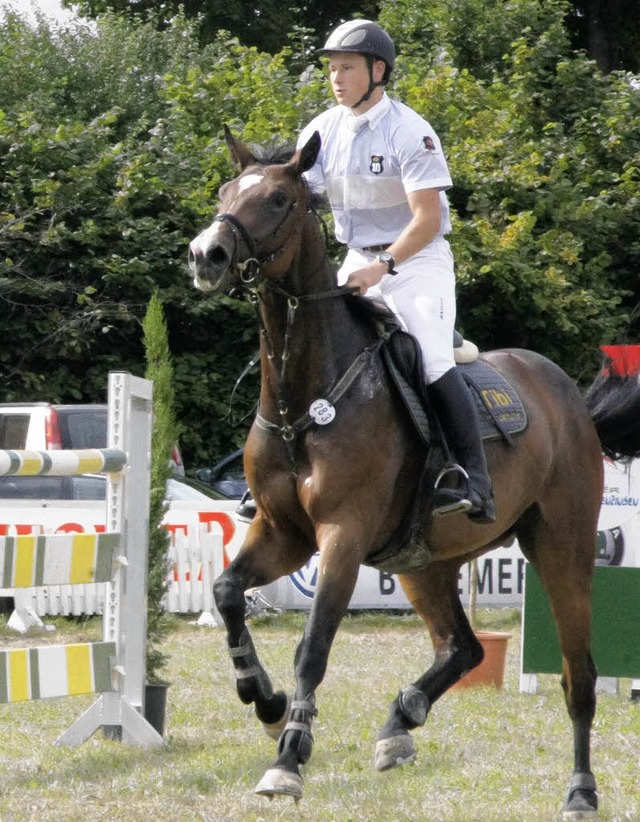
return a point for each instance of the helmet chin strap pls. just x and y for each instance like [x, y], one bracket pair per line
[366, 95]
[372, 87]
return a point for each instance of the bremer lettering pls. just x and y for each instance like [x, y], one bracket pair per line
[387, 584]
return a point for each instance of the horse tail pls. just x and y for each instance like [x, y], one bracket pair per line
[613, 400]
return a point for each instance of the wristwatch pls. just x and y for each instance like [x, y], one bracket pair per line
[387, 259]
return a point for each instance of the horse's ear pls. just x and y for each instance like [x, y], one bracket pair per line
[240, 154]
[308, 154]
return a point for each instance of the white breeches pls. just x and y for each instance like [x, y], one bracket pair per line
[422, 295]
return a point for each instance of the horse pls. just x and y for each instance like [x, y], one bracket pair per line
[334, 465]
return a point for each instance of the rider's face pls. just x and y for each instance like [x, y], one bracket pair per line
[349, 76]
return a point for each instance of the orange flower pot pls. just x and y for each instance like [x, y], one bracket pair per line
[490, 672]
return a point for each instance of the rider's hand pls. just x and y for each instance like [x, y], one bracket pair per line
[364, 278]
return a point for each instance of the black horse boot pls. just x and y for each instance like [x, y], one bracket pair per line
[456, 411]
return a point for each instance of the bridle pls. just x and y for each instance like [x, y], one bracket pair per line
[249, 268]
[252, 263]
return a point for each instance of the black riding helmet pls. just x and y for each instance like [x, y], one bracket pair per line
[364, 37]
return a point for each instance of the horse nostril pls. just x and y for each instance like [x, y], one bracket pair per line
[202, 257]
[217, 255]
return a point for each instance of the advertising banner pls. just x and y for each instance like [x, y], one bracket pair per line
[500, 585]
[619, 523]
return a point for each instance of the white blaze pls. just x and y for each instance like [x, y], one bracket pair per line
[249, 181]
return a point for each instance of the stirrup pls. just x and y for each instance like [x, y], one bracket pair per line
[478, 507]
[458, 502]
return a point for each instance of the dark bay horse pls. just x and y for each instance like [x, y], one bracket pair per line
[333, 464]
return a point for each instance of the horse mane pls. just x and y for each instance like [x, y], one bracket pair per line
[371, 312]
[274, 154]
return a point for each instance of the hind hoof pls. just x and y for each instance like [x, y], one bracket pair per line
[278, 782]
[394, 751]
[275, 729]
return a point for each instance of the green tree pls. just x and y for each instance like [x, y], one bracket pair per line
[471, 35]
[71, 111]
[164, 435]
[476, 34]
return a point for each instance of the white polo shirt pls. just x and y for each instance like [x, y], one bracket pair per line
[369, 164]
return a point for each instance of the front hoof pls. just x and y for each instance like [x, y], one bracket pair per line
[275, 729]
[394, 751]
[278, 782]
[582, 799]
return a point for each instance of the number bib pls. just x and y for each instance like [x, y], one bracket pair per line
[322, 412]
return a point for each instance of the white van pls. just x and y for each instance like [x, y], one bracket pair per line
[40, 426]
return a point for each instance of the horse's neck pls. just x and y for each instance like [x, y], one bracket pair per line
[319, 343]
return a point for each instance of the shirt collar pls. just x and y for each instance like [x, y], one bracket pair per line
[374, 114]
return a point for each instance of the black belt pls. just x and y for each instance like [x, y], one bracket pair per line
[375, 248]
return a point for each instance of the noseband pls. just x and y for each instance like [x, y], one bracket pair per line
[238, 228]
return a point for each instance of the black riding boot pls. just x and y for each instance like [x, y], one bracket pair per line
[457, 413]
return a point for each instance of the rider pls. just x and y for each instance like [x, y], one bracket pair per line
[385, 176]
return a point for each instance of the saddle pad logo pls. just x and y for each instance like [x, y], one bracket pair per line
[501, 409]
[376, 166]
[305, 579]
[502, 405]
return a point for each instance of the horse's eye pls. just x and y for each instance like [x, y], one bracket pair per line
[279, 199]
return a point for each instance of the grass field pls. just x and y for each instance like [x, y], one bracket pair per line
[483, 755]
